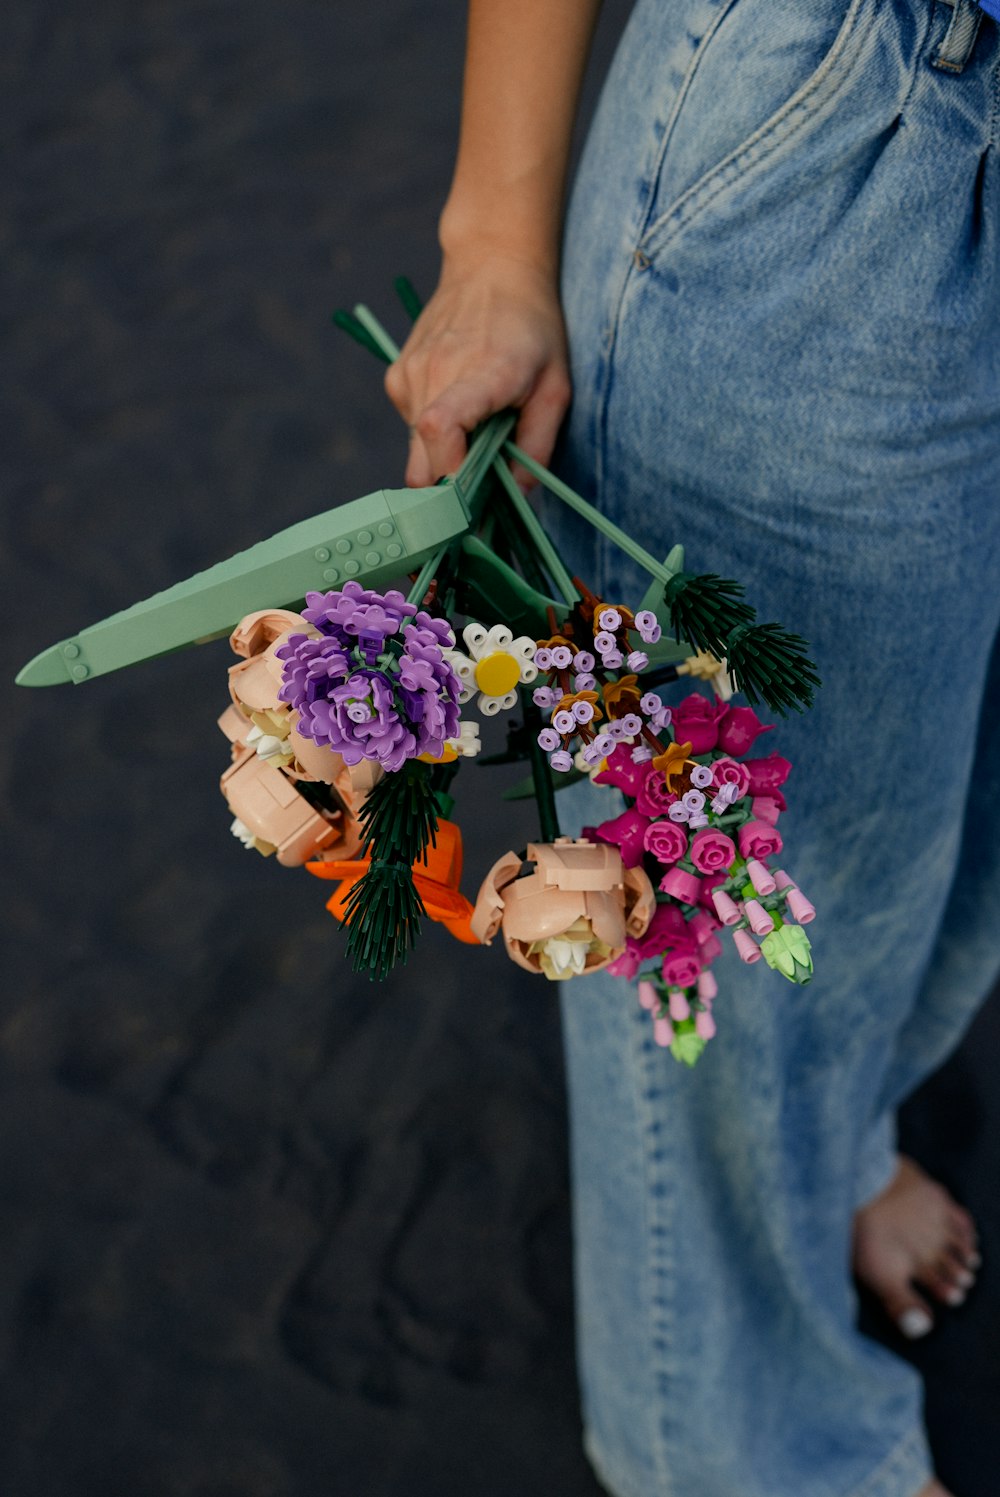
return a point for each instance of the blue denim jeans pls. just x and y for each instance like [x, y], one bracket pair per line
[782, 283]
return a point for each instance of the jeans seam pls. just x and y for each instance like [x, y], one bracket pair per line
[661, 1268]
[682, 93]
[875, 1485]
[758, 149]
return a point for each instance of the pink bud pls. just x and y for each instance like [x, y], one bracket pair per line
[781, 880]
[683, 886]
[727, 911]
[767, 808]
[746, 946]
[663, 1032]
[704, 1025]
[760, 921]
[801, 909]
[707, 987]
[679, 1007]
[701, 926]
[760, 877]
[647, 995]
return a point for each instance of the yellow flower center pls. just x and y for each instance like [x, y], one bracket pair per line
[497, 674]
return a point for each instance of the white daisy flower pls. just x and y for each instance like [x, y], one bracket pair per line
[496, 664]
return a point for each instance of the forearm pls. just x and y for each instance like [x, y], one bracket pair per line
[524, 65]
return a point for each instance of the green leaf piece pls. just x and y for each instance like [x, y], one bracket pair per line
[686, 1046]
[766, 661]
[704, 610]
[787, 950]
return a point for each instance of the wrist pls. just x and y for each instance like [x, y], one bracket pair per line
[471, 234]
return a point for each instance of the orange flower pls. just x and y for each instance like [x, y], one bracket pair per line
[436, 875]
[566, 703]
[673, 761]
[622, 695]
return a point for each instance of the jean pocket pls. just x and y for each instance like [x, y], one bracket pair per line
[764, 79]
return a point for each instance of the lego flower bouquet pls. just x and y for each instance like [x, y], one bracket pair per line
[427, 610]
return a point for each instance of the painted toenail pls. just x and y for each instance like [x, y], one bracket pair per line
[973, 1260]
[955, 1297]
[915, 1323]
[966, 1280]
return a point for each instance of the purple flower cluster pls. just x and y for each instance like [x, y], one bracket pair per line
[362, 697]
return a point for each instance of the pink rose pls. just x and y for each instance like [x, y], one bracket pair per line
[758, 840]
[728, 772]
[666, 841]
[697, 720]
[626, 832]
[653, 798]
[739, 728]
[681, 969]
[712, 850]
[622, 773]
[767, 774]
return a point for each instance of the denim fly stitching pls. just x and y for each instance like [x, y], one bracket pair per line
[767, 139]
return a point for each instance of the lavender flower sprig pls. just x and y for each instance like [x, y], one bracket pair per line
[373, 683]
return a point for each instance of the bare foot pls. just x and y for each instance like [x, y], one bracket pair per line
[915, 1236]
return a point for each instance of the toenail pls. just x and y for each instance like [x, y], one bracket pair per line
[955, 1297]
[973, 1260]
[966, 1280]
[915, 1323]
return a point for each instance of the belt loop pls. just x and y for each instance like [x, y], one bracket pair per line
[960, 38]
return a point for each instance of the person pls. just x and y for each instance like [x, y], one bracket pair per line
[781, 283]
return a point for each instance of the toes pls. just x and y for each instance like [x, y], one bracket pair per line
[963, 1234]
[942, 1283]
[912, 1317]
[959, 1267]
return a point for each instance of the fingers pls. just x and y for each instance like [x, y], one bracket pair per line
[541, 417]
[439, 434]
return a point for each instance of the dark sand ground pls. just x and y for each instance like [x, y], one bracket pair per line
[265, 1230]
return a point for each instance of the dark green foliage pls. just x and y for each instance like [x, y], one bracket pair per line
[705, 609]
[348, 323]
[412, 305]
[766, 661]
[383, 910]
[383, 918]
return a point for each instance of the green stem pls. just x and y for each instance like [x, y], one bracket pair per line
[550, 556]
[562, 491]
[541, 772]
[427, 574]
[376, 332]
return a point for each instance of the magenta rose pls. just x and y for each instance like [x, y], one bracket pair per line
[623, 773]
[626, 832]
[664, 931]
[681, 969]
[768, 807]
[712, 850]
[767, 774]
[707, 885]
[653, 798]
[666, 841]
[728, 772]
[697, 720]
[739, 728]
[758, 840]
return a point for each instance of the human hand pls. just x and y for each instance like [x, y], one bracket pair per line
[491, 337]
